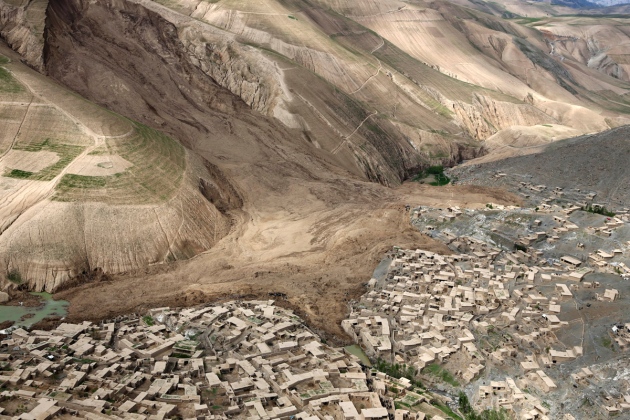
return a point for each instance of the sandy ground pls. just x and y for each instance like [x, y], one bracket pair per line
[99, 165]
[28, 161]
[319, 262]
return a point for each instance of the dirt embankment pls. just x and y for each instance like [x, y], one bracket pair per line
[320, 262]
[305, 222]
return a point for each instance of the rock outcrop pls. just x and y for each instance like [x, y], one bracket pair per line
[22, 26]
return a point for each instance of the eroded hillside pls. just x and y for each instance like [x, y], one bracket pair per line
[287, 110]
[85, 190]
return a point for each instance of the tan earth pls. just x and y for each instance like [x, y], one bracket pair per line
[319, 258]
[99, 165]
[240, 148]
[28, 161]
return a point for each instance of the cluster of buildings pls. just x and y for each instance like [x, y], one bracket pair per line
[487, 304]
[484, 316]
[432, 309]
[246, 360]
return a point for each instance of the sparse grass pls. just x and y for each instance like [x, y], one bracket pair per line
[66, 153]
[446, 409]
[606, 342]
[438, 371]
[81, 181]
[528, 20]
[99, 151]
[8, 84]
[158, 170]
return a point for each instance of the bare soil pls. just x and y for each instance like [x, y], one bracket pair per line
[592, 163]
[6, 324]
[318, 281]
[23, 298]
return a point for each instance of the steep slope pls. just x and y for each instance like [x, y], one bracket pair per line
[364, 58]
[597, 163]
[201, 53]
[601, 43]
[295, 106]
[510, 79]
[85, 190]
[22, 24]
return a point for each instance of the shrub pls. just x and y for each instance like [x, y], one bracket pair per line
[598, 210]
[15, 276]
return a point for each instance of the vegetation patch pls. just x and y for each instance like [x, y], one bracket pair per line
[598, 210]
[84, 361]
[14, 276]
[81, 181]
[469, 414]
[180, 356]
[66, 153]
[148, 320]
[607, 342]
[528, 21]
[437, 173]
[398, 371]
[158, 164]
[446, 409]
[17, 173]
[8, 84]
[438, 371]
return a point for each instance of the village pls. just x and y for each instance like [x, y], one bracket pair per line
[524, 291]
[529, 304]
[233, 360]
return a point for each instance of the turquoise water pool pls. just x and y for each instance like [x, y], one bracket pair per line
[358, 351]
[48, 308]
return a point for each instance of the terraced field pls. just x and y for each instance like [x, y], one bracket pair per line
[156, 172]
[156, 162]
[72, 170]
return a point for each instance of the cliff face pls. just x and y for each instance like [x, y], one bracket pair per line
[172, 63]
[22, 26]
[147, 31]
